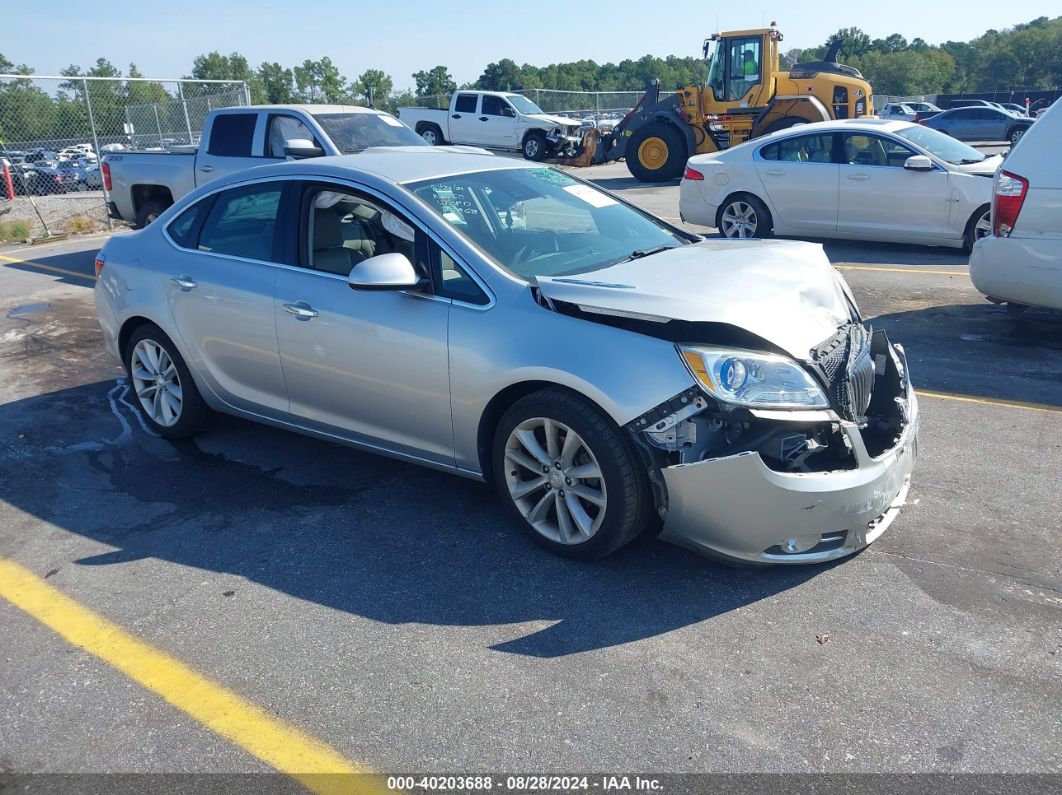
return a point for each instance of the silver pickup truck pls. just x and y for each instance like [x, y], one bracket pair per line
[143, 184]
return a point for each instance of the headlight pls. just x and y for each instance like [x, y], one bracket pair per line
[759, 380]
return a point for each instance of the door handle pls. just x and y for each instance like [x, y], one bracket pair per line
[184, 282]
[483, 118]
[207, 169]
[456, 116]
[301, 310]
[774, 172]
[859, 177]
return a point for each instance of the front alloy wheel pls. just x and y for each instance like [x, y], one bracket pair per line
[555, 481]
[569, 476]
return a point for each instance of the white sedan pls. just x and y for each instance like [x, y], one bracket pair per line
[864, 180]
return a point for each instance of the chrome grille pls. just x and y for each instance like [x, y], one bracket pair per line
[860, 381]
[848, 367]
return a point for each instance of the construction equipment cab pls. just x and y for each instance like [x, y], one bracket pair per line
[746, 95]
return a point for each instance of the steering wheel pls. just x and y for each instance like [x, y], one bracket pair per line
[542, 244]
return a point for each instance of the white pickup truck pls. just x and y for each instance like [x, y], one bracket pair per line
[143, 184]
[496, 120]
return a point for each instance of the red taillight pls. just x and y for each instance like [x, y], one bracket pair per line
[692, 174]
[1007, 201]
[99, 263]
[106, 176]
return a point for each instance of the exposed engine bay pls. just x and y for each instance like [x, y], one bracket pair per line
[862, 374]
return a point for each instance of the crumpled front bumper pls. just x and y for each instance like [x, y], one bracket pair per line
[738, 508]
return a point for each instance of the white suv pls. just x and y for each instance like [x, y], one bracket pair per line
[1021, 261]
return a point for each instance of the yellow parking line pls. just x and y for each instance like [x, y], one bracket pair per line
[52, 268]
[315, 765]
[901, 270]
[1012, 404]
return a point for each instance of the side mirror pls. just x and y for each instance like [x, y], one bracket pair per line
[384, 272]
[300, 148]
[918, 163]
[509, 112]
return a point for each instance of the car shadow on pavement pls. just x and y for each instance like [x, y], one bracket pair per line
[983, 350]
[66, 266]
[356, 532]
[858, 252]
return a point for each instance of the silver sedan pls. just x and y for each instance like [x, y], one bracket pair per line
[508, 322]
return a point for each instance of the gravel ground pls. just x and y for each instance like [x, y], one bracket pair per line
[59, 212]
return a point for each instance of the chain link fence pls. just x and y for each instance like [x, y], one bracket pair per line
[54, 130]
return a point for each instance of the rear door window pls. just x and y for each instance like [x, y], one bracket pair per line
[802, 149]
[243, 222]
[231, 134]
[466, 103]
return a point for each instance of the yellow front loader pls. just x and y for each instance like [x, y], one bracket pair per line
[747, 95]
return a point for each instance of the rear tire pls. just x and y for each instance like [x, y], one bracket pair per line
[568, 476]
[979, 225]
[431, 133]
[657, 152]
[743, 216]
[147, 213]
[162, 385]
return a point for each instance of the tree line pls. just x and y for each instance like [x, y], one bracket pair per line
[1027, 56]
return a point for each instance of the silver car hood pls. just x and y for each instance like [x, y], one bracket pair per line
[783, 291]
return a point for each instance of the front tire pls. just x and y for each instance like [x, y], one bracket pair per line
[568, 477]
[657, 152]
[742, 217]
[534, 147]
[1015, 135]
[163, 386]
[979, 225]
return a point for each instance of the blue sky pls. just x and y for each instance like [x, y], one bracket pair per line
[403, 37]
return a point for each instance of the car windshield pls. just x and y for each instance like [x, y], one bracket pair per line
[353, 132]
[523, 104]
[940, 145]
[542, 222]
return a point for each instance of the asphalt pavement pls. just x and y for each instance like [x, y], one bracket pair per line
[395, 615]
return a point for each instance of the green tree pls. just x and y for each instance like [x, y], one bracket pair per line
[320, 81]
[435, 82]
[277, 83]
[375, 87]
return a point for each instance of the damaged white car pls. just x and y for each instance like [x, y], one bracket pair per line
[505, 321]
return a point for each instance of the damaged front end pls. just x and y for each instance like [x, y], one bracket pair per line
[793, 484]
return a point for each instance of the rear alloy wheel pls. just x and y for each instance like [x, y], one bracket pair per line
[569, 477]
[164, 388]
[744, 217]
[979, 225]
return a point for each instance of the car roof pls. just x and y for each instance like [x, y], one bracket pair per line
[309, 109]
[394, 164]
[876, 125]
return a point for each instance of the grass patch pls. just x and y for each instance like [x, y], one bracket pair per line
[11, 231]
[79, 223]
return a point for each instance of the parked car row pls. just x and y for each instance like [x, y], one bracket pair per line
[46, 176]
